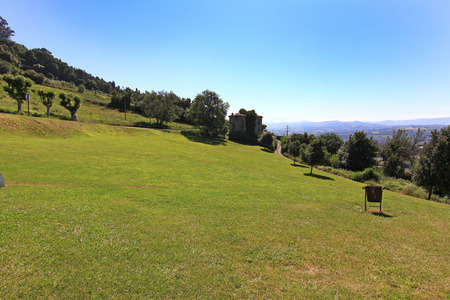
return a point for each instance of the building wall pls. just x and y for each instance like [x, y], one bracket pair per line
[238, 127]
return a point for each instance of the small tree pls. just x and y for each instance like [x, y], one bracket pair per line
[267, 140]
[71, 103]
[47, 99]
[294, 149]
[17, 88]
[314, 153]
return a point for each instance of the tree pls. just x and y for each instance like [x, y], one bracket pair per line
[432, 170]
[161, 106]
[209, 112]
[332, 142]
[294, 149]
[17, 88]
[358, 152]
[5, 31]
[399, 151]
[267, 140]
[47, 99]
[71, 103]
[314, 153]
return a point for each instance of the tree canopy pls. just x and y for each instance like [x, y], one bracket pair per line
[71, 103]
[314, 153]
[47, 99]
[161, 106]
[208, 112]
[432, 170]
[5, 31]
[358, 152]
[17, 87]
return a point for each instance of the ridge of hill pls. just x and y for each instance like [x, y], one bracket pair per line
[344, 129]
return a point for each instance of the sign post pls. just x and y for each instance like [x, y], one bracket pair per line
[27, 96]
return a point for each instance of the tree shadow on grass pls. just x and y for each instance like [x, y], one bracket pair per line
[151, 125]
[198, 138]
[266, 150]
[319, 176]
[299, 166]
[380, 214]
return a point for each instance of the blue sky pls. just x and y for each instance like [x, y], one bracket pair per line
[289, 60]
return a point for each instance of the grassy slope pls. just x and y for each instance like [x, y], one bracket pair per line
[89, 111]
[96, 211]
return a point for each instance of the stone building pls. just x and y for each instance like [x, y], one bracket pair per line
[238, 125]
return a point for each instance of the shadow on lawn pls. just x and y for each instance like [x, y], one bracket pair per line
[299, 166]
[266, 150]
[319, 176]
[381, 214]
[198, 138]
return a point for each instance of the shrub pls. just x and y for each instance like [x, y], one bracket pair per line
[367, 174]
[38, 78]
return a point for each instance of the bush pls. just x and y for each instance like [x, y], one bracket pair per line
[5, 67]
[367, 174]
[38, 78]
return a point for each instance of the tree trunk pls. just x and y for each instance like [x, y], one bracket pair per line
[48, 111]
[430, 192]
[311, 170]
[19, 107]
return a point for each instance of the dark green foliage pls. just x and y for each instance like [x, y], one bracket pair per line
[5, 67]
[250, 121]
[184, 104]
[332, 142]
[358, 152]
[294, 149]
[161, 106]
[398, 152]
[433, 168]
[17, 87]
[47, 99]
[314, 153]
[42, 61]
[5, 31]
[71, 103]
[302, 138]
[366, 175]
[38, 78]
[208, 112]
[267, 141]
[81, 89]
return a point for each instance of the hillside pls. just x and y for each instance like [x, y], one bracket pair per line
[99, 211]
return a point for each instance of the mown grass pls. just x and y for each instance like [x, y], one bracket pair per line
[94, 211]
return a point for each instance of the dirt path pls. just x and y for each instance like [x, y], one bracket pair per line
[278, 150]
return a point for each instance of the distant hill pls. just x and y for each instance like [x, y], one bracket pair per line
[377, 129]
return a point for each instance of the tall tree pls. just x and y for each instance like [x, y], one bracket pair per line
[332, 142]
[17, 88]
[71, 103]
[267, 140]
[161, 106]
[432, 170]
[208, 112]
[359, 152]
[47, 99]
[5, 31]
[399, 151]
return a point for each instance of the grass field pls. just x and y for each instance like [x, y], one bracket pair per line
[94, 211]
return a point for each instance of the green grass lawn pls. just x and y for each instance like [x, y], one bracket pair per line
[94, 211]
